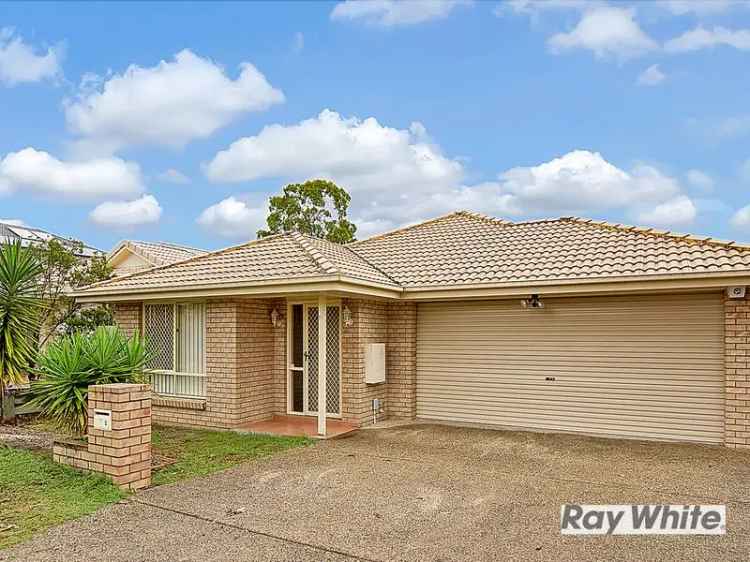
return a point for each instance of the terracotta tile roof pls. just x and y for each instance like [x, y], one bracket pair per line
[344, 260]
[454, 250]
[159, 253]
[467, 248]
[281, 257]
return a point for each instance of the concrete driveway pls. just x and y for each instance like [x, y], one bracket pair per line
[419, 492]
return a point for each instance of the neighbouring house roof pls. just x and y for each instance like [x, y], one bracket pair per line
[155, 253]
[455, 251]
[30, 236]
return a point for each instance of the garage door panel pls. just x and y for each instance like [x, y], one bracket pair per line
[684, 399]
[688, 375]
[598, 429]
[642, 366]
[572, 416]
[573, 358]
[510, 403]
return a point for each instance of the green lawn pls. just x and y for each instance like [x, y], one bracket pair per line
[36, 493]
[200, 452]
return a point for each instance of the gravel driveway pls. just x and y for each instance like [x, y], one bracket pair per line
[418, 492]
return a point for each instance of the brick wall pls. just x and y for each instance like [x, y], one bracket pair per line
[128, 317]
[394, 324]
[737, 368]
[370, 325]
[255, 360]
[401, 360]
[279, 405]
[123, 453]
[72, 453]
[245, 365]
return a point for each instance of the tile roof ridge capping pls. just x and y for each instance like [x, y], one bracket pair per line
[347, 247]
[656, 233]
[319, 259]
[465, 213]
[170, 245]
[180, 262]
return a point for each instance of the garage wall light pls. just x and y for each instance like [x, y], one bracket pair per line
[534, 302]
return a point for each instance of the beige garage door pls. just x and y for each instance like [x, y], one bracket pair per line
[646, 367]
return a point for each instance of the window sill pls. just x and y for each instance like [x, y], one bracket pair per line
[175, 402]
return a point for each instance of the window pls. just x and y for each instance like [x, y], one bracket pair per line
[175, 335]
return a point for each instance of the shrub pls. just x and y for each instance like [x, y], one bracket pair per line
[20, 307]
[69, 365]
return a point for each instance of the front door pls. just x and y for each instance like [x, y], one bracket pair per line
[303, 359]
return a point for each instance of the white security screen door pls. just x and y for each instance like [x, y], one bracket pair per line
[303, 360]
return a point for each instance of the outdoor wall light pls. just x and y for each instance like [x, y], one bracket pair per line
[275, 317]
[534, 302]
[346, 315]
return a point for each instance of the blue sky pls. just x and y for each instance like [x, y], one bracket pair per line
[177, 121]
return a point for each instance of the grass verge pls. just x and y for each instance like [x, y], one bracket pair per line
[199, 452]
[36, 493]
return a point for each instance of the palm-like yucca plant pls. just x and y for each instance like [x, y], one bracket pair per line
[69, 365]
[20, 308]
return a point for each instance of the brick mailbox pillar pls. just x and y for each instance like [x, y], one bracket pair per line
[119, 433]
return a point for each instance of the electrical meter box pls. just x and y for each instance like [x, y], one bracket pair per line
[374, 363]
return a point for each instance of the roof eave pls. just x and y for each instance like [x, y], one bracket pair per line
[329, 283]
[591, 286]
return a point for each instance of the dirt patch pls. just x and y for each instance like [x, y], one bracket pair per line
[159, 461]
[25, 438]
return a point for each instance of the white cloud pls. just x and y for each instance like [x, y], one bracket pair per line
[398, 176]
[535, 7]
[20, 62]
[703, 38]
[38, 171]
[173, 176]
[700, 180]
[168, 104]
[581, 182]
[608, 32]
[651, 76]
[127, 214]
[700, 7]
[675, 212]
[232, 218]
[13, 222]
[741, 218]
[362, 155]
[389, 13]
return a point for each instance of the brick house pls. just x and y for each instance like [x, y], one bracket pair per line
[555, 325]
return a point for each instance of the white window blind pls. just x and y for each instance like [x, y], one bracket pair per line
[176, 337]
[190, 329]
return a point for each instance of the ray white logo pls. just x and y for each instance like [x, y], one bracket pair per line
[578, 519]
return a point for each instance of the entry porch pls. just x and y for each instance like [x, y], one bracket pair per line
[231, 363]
